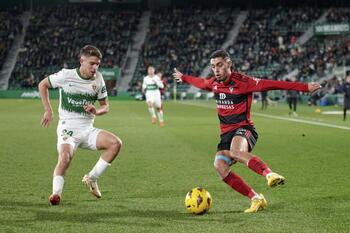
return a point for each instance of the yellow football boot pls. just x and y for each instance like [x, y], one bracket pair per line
[258, 204]
[273, 179]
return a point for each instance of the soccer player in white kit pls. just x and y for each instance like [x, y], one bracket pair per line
[78, 90]
[151, 84]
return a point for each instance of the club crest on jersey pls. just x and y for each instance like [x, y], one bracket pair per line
[231, 89]
[257, 80]
[215, 87]
[94, 87]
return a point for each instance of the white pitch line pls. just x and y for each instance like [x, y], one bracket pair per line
[281, 118]
[302, 121]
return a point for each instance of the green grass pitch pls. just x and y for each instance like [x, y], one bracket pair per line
[144, 189]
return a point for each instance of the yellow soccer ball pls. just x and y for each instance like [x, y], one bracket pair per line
[198, 201]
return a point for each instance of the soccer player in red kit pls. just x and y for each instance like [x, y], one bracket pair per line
[233, 94]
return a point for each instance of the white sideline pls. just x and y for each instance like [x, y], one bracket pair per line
[281, 118]
[301, 121]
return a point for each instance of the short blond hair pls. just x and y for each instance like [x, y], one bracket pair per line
[89, 50]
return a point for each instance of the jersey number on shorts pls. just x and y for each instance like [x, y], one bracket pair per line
[66, 134]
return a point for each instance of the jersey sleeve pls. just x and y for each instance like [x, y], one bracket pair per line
[249, 84]
[201, 83]
[144, 84]
[102, 92]
[57, 80]
[159, 82]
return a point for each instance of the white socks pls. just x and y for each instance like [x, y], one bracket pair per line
[98, 169]
[152, 112]
[57, 184]
[268, 175]
[95, 173]
[256, 196]
[160, 115]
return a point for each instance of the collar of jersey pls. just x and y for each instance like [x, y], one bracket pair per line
[226, 82]
[79, 74]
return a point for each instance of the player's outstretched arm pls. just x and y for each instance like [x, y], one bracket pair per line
[250, 84]
[195, 81]
[43, 87]
[144, 85]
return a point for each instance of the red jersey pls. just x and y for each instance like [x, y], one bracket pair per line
[234, 96]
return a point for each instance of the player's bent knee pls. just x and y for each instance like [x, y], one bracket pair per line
[219, 165]
[116, 144]
[236, 153]
[240, 155]
[222, 162]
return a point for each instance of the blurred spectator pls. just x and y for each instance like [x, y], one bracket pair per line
[264, 101]
[29, 82]
[346, 94]
[136, 87]
[292, 100]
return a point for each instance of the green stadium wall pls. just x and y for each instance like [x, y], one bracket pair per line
[34, 94]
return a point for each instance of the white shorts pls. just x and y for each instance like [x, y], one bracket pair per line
[154, 97]
[77, 134]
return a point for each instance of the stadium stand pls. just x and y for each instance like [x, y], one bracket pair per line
[56, 34]
[10, 26]
[267, 43]
[339, 15]
[267, 40]
[183, 38]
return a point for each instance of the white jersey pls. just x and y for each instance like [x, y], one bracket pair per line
[76, 92]
[152, 83]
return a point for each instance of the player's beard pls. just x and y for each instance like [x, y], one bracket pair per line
[222, 77]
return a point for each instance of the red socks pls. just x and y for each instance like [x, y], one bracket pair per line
[258, 166]
[238, 184]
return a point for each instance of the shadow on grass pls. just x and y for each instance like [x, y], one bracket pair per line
[34, 214]
[22, 204]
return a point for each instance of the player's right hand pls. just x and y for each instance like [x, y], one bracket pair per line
[47, 118]
[177, 75]
[90, 108]
[313, 86]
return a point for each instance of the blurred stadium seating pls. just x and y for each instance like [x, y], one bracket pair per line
[10, 27]
[267, 45]
[56, 34]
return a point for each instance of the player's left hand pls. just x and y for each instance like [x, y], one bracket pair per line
[90, 108]
[177, 75]
[313, 86]
[47, 118]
